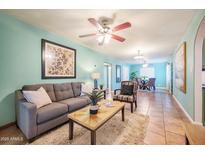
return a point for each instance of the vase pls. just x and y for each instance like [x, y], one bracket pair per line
[94, 109]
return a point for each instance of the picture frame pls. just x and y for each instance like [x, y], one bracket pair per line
[118, 73]
[180, 67]
[58, 61]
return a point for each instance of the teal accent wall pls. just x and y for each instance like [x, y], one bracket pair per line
[160, 72]
[187, 99]
[20, 61]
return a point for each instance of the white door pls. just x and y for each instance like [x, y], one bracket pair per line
[108, 76]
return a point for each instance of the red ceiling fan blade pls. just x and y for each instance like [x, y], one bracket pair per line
[87, 35]
[95, 23]
[116, 37]
[122, 26]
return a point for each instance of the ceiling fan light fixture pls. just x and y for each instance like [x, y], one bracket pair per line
[100, 38]
[107, 38]
[104, 32]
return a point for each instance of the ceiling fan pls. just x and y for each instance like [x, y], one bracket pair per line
[104, 32]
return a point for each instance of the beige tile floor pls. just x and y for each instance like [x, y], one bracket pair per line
[165, 119]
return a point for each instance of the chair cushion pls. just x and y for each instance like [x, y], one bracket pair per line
[50, 112]
[48, 88]
[126, 98]
[76, 88]
[76, 103]
[63, 91]
[127, 89]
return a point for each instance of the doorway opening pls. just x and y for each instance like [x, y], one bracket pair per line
[203, 82]
[199, 90]
[108, 77]
[168, 77]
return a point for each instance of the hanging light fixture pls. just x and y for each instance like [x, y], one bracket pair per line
[139, 56]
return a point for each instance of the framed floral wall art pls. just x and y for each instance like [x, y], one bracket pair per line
[58, 61]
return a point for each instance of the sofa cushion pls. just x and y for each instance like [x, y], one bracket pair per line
[76, 103]
[76, 88]
[48, 88]
[63, 91]
[50, 112]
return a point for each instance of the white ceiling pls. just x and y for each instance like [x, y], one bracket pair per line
[154, 32]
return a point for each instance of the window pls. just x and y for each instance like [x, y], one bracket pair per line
[147, 71]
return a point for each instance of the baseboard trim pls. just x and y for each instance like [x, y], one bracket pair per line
[182, 108]
[185, 112]
[7, 125]
[163, 88]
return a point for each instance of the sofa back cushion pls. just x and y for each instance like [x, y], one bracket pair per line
[63, 91]
[48, 88]
[76, 88]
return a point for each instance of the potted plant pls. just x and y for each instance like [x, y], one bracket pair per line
[133, 75]
[95, 97]
[101, 86]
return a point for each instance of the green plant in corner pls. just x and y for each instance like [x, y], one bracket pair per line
[133, 75]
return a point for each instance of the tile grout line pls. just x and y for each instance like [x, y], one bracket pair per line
[164, 122]
[162, 118]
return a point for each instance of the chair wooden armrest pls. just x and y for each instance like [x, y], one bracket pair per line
[115, 91]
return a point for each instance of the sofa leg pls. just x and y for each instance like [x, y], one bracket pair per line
[131, 107]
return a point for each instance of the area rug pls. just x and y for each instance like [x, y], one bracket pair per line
[115, 131]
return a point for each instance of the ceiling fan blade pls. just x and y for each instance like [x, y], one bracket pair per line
[122, 26]
[116, 37]
[87, 35]
[95, 23]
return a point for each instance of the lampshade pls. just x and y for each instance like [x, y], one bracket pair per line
[95, 75]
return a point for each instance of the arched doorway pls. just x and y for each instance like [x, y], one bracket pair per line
[199, 117]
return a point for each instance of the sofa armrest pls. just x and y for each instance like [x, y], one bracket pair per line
[26, 117]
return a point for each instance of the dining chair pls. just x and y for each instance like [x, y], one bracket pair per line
[139, 83]
[151, 84]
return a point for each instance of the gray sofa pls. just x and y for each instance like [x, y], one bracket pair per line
[65, 97]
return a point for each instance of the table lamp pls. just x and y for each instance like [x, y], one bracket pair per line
[95, 76]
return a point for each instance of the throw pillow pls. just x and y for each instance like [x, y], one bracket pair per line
[127, 89]
[39, 98]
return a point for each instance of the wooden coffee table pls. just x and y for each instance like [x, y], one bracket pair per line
[93, 122]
